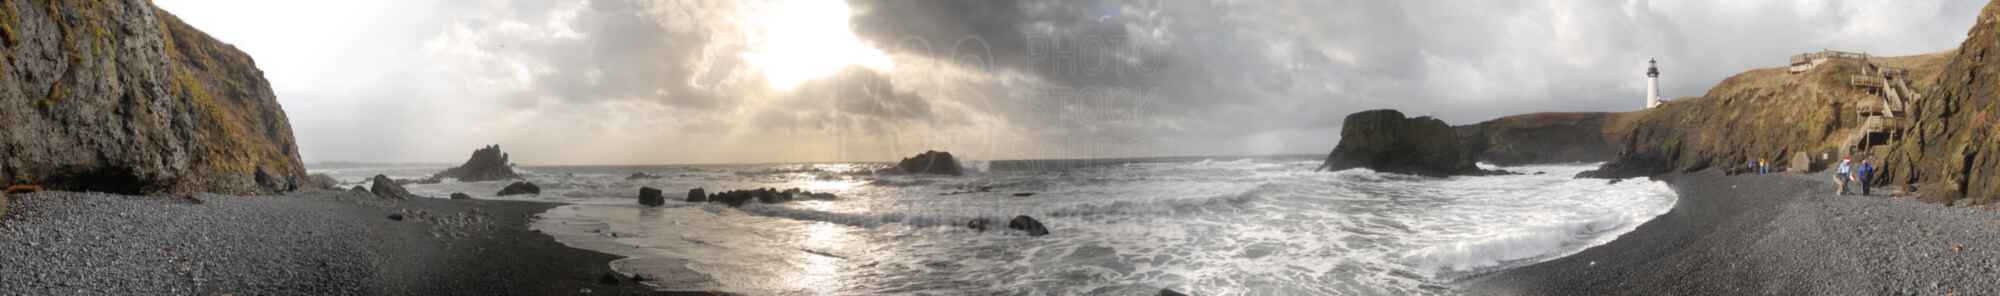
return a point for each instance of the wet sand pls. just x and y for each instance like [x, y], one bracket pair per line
[1777, 234]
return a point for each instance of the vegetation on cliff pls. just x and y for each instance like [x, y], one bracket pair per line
[1952, 152]
[119, 96]
[1539, 138]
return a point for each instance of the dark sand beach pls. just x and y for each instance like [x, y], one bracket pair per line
[1778, 235]
[323, 243]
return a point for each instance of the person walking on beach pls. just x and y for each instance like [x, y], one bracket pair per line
[1861, 177]
[1840, 177]
[1763, 167]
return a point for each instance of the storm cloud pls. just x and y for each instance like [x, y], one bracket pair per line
[641, 81]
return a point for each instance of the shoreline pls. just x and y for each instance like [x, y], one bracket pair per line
[1776, 234]
[314, 243]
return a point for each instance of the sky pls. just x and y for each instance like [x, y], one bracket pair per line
[757, 81]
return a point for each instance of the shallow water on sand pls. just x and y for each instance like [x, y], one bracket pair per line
[1207, 226]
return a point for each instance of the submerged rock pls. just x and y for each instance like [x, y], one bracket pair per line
[1386, 141]
[930, 162]
[486, 164]
[387, 188]
[737, 198]
[1028, 224]
[642, 176]
[518, 188]
[1171, 292]
[651, 197]
[460, 195]
[124, 97]
[697, 195]
[980, 224]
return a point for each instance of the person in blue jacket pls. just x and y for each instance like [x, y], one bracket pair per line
[1862, 176]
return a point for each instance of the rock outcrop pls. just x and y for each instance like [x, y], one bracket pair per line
[387, 188]
[1952, 147]
[486, 164]
[1768, 113]
[697, 195]
[123, 97]
[931, 162]
[1386, 141]
[460, 195]
[1542, 138]
[651, 197]
[1028, 224]
[737, 198]
[518, 188]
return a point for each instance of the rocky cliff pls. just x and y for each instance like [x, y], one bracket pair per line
[1547, 138]
[120, 96]
[1387, 141]
[1952, 151]
[1766, 113]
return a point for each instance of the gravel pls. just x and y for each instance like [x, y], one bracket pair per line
[1778, 234]
[326, 243]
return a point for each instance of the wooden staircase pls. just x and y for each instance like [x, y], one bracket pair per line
[1882, 120]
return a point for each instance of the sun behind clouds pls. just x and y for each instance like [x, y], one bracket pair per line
[794, 41]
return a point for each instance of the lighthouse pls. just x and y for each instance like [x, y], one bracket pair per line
[1652, 84]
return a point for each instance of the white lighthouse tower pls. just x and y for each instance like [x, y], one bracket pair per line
[1652, 84]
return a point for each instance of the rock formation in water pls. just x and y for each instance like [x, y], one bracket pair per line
[1028, 224]
[518, 188]
[1386, 141]
[1543, 138]
[651, 197]
[460, 195]
[930, 162]
[123, 97]
[486, 164]
[386, 188]
[737, 198]
[642, 176]
[697, 195]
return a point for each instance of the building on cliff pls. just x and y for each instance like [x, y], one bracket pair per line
[1652, 83]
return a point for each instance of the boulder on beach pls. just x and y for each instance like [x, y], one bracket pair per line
[319, 182]
[651, 197]
[486, 164]
[522, 187]
[1028, 224]
[361, 190]
[460, 195]
[697, 195]
[930, 162]
[1386, 141]
[387, 188]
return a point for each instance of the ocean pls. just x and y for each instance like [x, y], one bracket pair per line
[1205, 226]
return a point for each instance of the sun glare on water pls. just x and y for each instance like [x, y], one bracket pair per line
[794, 41]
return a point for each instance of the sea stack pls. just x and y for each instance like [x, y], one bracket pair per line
[930, 162]
[1386, 141]
[486, 164]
